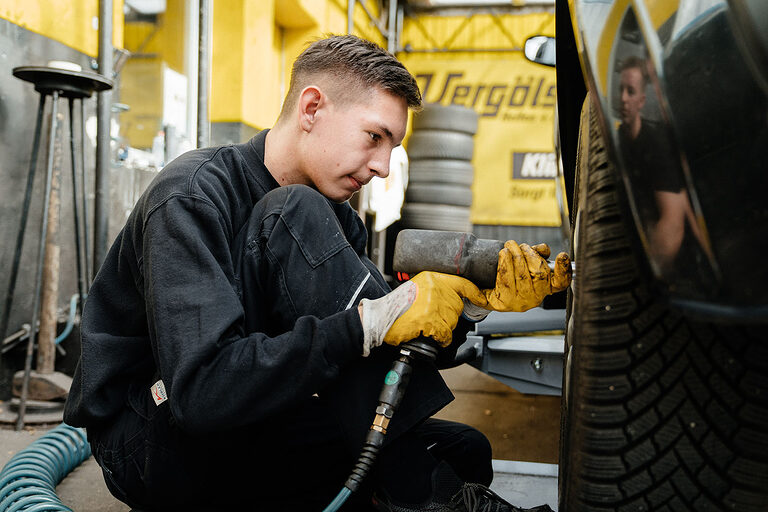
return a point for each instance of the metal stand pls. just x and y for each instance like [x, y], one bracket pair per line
[57, 83]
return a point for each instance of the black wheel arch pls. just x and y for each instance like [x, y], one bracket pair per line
[571, 91]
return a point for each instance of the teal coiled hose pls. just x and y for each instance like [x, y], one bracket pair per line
[28, 482]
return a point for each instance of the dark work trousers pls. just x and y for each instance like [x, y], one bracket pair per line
[293, 258]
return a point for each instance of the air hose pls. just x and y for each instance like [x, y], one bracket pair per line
[395, 383]
[28, 481]
[70, 319]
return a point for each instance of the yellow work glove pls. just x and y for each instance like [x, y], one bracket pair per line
[427, 305]
[523, 277]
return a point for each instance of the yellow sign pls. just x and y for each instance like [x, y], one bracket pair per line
[513, 157]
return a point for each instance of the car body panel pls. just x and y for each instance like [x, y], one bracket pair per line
[691, 154]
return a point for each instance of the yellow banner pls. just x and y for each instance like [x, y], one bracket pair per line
[513, 157]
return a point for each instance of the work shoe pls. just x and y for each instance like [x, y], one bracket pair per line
[449, 494]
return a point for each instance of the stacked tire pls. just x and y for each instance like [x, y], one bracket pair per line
[440, 149]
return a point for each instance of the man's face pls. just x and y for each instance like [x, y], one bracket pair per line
[632, 94]
[351, 143]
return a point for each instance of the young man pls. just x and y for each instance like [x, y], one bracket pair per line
[651, 159]
[235, 339]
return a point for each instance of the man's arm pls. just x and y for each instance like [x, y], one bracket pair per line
[213, 372]
[667, 234]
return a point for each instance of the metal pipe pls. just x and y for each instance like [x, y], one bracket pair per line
[392, 27]
[350, 16]
[18, 335]
[24, 215]
[40, 260]
[409, 49]
[441, 4]
[75, 206]
[84, 196]
[373, 19]
[400, 17]
[203, 74]
[191, 41]
[103, 117]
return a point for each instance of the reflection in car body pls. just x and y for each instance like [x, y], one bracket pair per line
[704, 99]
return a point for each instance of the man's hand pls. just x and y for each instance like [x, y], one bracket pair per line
[523, 277]
[427, 305]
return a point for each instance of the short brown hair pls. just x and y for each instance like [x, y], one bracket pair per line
[354, 63]
[636, 62]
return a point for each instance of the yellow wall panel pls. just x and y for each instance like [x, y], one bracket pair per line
[154, 46]
[227, 63]
[260, 60]
[255, 44]
[172, 34]
[141, 37]
[142, 88]
[297, 13]
[70, 22]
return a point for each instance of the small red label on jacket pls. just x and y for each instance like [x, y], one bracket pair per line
[158, 392]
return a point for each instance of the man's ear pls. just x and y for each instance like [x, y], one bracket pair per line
[310, 101]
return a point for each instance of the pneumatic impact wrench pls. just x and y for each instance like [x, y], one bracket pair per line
[419, 250]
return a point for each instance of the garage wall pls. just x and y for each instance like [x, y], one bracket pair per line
[254, 44]
[73, 23]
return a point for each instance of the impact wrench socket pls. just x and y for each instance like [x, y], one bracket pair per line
[449, 252]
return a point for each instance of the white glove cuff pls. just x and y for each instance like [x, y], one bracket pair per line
[473, 312]
[379, 314]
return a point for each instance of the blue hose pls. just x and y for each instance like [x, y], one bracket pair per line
[28, 482]
[337, 502]
[70, 320]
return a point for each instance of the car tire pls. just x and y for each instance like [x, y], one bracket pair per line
[436, 216]
[446, 117]
[440, 144]
[439, 193]
[449, 172]
[660, 411]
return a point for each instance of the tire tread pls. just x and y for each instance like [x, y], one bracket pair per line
[666, 413]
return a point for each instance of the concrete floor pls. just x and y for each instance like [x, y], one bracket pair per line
[520, 428]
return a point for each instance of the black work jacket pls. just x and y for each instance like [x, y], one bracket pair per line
[164, 304]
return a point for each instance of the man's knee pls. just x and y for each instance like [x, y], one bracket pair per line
[468, 451]
[287, 196]
[300, 209]
[478, 454]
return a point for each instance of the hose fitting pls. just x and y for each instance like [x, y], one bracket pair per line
[395, 384]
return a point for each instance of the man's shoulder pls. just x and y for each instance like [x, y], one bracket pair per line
[197, 173]
[651, 130]
[191, 164]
